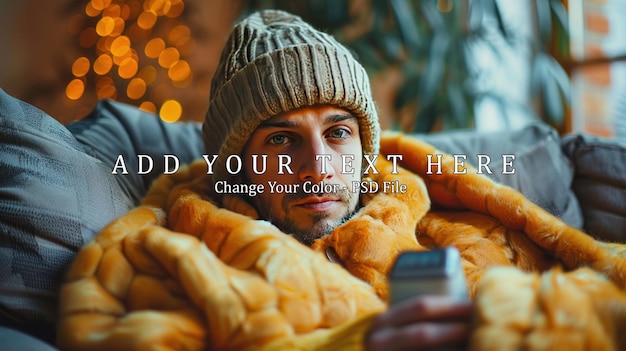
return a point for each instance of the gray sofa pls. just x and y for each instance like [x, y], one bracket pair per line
[57, 191]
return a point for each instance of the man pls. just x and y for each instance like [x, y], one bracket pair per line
[288, 92]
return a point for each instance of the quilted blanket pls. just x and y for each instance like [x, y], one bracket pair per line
[189, 269]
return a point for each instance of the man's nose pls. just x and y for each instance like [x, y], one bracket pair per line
[314, 163]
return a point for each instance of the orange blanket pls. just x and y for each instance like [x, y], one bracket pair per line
[188, 270]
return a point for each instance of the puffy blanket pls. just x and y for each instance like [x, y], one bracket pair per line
[190, 270]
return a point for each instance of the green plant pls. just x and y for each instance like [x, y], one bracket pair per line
[431, 42]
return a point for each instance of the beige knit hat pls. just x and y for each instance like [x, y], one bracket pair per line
[274, 62]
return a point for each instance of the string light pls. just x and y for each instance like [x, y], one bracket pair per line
[136, 44]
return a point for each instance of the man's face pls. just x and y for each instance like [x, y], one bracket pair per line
[303, 134]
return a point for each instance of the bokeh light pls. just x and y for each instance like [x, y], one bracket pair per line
[120, 46]
[105, 26]
[100, 4]
[148, 106]
[445, 5]
[90, 10]
[103, 64]
[75, 89]
[136, 88]
[137, 47]
[128, 68]
[80, 68]
[179, 35]
[148, 74]
[168, 57]
[154, 47]
[147, 19]
[171, 110]
[179, 71]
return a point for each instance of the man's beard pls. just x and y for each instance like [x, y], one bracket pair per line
[320, 229]
[321, 226]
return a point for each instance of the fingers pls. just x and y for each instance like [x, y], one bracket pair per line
[420, 336]
[424, 322]
[424, 308]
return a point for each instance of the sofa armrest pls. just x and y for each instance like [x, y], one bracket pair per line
[57, 192]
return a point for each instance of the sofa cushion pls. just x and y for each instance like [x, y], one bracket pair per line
[600, 184]
[116, 130]
[542, 173]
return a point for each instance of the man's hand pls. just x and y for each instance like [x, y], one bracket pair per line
[423, 322]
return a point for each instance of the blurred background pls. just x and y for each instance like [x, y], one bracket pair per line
[434, 64]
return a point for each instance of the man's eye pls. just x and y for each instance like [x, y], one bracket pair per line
[339, 133]
[278, 139]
